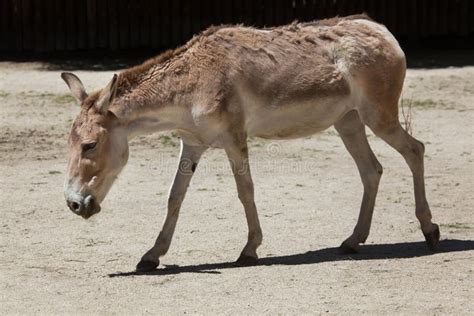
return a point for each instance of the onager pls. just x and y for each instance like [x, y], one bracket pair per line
[231, 82]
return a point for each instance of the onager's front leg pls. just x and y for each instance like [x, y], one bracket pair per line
[238, 157]
[188, 160]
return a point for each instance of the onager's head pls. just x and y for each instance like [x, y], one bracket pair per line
[98, 148]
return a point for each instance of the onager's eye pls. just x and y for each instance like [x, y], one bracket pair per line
[88, 147]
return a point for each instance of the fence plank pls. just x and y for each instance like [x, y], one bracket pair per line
[27, 23]
[402, 21]
[247, 12]
[5, 30]
[423, 17]
[71, 31]
[391, 16]
[195, 15]
[123, 29]
[206, 14]
[463, 26]
[133, 12]
[102, 24]
[82, 28]
[382, 11]
[236, 11]
[258, 13]
[217, 12]
[154, 18]
[60, 26]
[343, 7]
[361, 6]
[299, 10]
[165, 24]
[186, 19]
[11, 26]
[92, 23]
[470, 18]
[289, 14]
[279, 12]
[452, 17]
[330, 11]
[113, 25]
[226, 12]
[39, 27]
[175, 23]
[413, 17]
[268, 13]
[48, 25]
[14, 36]
[145, 24]
[309, 10]
[443, 17]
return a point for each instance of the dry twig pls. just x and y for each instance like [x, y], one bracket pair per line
[406, 106]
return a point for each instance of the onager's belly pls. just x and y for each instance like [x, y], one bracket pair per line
[292, 104]
[288, 121]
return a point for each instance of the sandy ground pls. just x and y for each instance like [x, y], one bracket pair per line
[308, 193]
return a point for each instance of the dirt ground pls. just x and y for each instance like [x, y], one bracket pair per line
[308, 193]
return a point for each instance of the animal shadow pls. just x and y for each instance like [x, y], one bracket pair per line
[367, 252]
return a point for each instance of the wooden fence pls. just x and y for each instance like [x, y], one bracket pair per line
[65, 25]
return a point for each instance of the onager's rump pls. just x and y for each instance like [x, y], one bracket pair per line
[231, 82]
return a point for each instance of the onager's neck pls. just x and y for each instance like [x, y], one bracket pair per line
[155, 96]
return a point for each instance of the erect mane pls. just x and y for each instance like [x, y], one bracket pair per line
[132, 75]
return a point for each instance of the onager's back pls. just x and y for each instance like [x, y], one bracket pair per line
[231, 82]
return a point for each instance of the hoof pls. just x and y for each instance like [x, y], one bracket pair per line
[432, 239]
[147, 266]
[345, 249]
[246, 261]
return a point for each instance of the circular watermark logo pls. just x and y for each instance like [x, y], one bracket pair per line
[273, 149]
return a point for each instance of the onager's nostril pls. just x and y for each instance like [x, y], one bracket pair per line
[74, 206]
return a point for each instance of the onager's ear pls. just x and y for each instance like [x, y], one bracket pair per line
[75, 85]
[107, 95]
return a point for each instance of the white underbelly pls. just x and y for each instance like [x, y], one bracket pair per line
[288, 121]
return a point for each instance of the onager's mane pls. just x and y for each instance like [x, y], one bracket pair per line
[130, 76]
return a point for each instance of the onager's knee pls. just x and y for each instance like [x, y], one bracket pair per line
[371, 177]
[174, 203]
[246, 199]
[418, 149]
[414, 155]
[256, 237]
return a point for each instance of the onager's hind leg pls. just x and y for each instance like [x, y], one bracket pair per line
[238, 157]
[352, 133]
[412, 150]
[188, 160]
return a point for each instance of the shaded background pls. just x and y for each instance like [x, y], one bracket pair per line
[33, 27]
